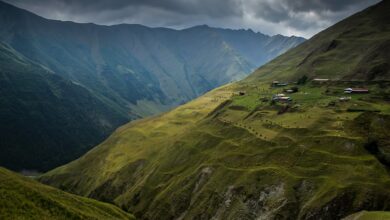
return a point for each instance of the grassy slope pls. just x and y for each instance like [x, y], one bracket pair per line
[364, 215]
[24, 198]
[355, 48]
[236, 157]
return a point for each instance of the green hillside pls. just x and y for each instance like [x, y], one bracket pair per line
[24, 198]
[357, 48]
[45, 120]
[233, 153]
[369, 216]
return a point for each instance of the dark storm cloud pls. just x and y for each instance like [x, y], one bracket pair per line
[299, 17]
[286, 10]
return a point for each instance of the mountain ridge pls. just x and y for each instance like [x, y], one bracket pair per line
[96, 32]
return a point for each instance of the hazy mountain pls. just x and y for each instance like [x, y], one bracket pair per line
[46, 120]
[24, 198]
[90, 78]
[133, 64]
[231, 155]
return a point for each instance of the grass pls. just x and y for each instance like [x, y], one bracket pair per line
[24, 198]
[364, 215]
[193, 154]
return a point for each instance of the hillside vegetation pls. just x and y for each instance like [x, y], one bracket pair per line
[45, 120]
[364, 215]
[65, 86]
[24, 198]
[357, 48]
[233, 153]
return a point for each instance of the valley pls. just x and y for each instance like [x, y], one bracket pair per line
[305, 136]
[234, 153]
[117, 74]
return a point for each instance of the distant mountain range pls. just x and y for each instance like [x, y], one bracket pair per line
[66, 86]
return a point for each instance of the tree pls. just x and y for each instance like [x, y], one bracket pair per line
[302, 80]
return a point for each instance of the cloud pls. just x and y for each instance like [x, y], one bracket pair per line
[298, 17]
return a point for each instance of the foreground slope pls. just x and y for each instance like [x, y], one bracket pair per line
[45, 120]
[235, 154]
[363, 215]
[23, 198]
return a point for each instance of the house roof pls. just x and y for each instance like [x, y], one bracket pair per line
[356, 89]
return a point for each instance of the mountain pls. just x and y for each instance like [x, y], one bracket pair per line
[24, 198]
[45, 120]
[234, 153]
[143, 70]
[89, 79]
[353, 49]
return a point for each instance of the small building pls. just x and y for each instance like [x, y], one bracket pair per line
[278, 84]
[344, 99]
[274, 83]
[355, 90]
[293, 89]
[284, 99]
[320, 80]
[281, 98]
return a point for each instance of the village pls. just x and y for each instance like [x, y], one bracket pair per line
[283, 92]
[282, 98]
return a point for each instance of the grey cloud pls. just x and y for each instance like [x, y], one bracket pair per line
[281, 10]
[298, 17]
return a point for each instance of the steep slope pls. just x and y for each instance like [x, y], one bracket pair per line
[357, 48]
[369, 216]
[235, 154]
[144, 70]
[46, 121]
[24, 198]
[65, 86]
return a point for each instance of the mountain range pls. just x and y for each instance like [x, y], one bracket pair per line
[239, 152]
[66, 86]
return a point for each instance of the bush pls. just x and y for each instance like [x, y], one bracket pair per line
[302, 80]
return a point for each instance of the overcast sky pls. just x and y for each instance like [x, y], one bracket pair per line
[287, 17]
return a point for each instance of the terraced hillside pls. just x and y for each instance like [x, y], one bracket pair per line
[236, 154]
[24, 198]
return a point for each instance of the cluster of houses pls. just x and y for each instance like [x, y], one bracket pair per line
[282, 98]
